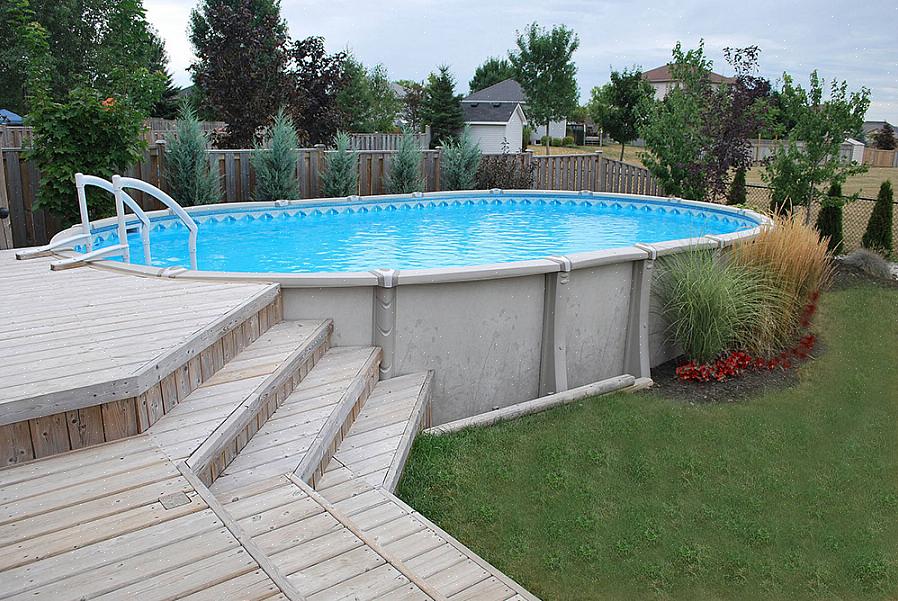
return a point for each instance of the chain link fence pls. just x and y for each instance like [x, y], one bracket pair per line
[855, 214]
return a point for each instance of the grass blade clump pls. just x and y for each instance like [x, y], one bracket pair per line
[274, 161]
[341, 178]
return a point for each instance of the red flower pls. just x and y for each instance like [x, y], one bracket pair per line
[108, 103]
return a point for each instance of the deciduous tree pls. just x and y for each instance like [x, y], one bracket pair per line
[240, 66]
[544, 67]
[620, 106]
[492, 71]
[367, 99]
[315, 80]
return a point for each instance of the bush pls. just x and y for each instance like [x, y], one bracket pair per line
[506, 171]
[188, 175]
[567, 141]
[869, 262]
[459, 163]
[878, 236]
[737, 194]
[275, 159]
[84, 133]
[713, 305]
[795, 259]
[404, 176]
[556, 141]
[829, 220]
[341, 178]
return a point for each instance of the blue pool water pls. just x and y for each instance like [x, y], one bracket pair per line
[472, 231]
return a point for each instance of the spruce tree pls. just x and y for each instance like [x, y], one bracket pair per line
[442, 107]
[459, 163]
[737, 194]
[878, 236]
[275, 161]
[404, 176]
[829, 220]
[341, 178]
[190, 179]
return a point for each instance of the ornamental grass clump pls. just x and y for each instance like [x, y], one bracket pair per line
[794, 258]
[713, 305]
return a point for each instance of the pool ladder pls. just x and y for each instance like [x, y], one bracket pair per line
[116, 187]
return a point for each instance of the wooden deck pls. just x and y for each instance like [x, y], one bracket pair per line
[96, 334]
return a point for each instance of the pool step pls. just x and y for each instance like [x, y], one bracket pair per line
[210, 426]
[447, 566]
[311, 545]
[303, 433]
[381, 437]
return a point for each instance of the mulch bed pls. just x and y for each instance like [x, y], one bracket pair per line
[751, 383]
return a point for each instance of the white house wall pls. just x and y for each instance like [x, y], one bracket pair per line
[490, 138]
[557, 129]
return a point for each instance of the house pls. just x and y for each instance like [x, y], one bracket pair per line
[496, 126]
[10, 118]
[661, 79]
[509, 92]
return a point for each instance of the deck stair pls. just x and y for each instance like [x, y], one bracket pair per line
[381, 437]
[302, 435]
[212, 424]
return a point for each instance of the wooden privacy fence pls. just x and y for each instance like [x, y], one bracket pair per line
[880, 158]
[381, 141]
[29, 227]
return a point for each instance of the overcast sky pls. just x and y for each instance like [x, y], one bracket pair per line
[856, 41]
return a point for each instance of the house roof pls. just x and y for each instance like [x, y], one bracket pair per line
[489, 112]
[505, 91]
[872, 126]
[400, 90]
[10, 118]
[662, 75]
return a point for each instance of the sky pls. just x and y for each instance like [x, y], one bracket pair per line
[855, 41]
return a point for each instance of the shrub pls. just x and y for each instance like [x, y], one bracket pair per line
[737, 194]
[274, 161]
[341, 178]
[85, 133]
[459, 163]
[713, 305]
[404, 176]
[567, 141]
[190, 179]
[869, 262]
[878, 236]
[829, 220]
[506, 171]
[795, 259]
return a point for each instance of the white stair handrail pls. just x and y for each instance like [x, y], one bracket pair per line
[119, 183]
[81, 181]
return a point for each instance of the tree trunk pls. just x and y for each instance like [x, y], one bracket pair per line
[548, 139]
[621, 151]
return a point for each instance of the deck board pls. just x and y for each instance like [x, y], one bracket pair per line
[87, 328]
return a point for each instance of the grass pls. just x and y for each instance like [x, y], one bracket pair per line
[790, 495]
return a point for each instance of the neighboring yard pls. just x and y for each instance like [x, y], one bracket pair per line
[792, 494]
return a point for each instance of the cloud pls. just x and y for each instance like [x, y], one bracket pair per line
[413, 37]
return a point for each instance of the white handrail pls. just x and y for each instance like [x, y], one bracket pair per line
[81, 181]
[119, 183]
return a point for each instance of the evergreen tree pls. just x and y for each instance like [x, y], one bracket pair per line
[275, 161]
[241, 57]
[884, 139]
[459, 162]
[544, 67]
[187, 171]
[341, 178]
[737, 194]
[878, 236]
[442, 107]
[367, 99]
[829, 220]
[404, 176]
[492, 71]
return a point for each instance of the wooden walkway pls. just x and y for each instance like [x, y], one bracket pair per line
[89, 333]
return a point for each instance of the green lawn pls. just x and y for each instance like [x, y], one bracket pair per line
[793, 495]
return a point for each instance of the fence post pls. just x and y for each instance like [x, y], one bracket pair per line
[5, 220]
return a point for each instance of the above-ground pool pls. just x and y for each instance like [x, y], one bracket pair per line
[505, 295]
[459, 230]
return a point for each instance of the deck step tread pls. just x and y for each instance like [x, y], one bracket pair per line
[307, 421]
[445, 564]
[380, 439]
[184, 428]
